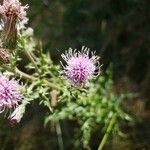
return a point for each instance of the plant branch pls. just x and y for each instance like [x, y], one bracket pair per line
[53, 85]
[26, 76]
[30, 56]
[18, 72]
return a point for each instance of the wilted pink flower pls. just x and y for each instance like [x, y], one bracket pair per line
[17, 115]
[13, 19]
[10, 93]
[4, 55]
[80, 66]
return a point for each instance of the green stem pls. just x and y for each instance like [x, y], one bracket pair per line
[24, 75]
[30, 56]
[17, 72]
[59, 135]
[108, 130]
[53, 85]
[48, 102]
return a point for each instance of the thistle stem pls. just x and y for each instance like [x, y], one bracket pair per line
[59, 135]
[48, 102]
[53, 85]
[18, 72]
[30, 56]
[24, 75]
[108, 130]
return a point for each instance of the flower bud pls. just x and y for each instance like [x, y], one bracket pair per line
[4, 55]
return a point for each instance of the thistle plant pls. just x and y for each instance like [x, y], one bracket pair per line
[73, 89]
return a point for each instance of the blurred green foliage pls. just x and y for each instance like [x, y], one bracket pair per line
[92, 108]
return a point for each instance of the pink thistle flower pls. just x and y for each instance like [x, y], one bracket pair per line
[10, 93]
[80, 66]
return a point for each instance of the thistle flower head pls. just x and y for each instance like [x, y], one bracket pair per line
[10, 92]
[80, 66]
[13, 8]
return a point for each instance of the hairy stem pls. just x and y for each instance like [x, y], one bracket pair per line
[53, 85]
[18, 72]
[108, 130]
[48, 102]
[26, 76]
[30, 56]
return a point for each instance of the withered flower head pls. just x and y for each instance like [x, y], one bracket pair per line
[4, 55]
[13, 15]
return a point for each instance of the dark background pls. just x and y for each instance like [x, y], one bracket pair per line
[119, 32]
